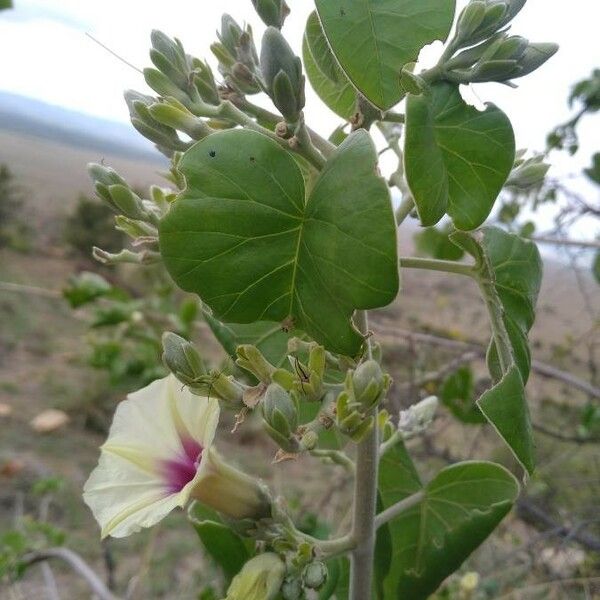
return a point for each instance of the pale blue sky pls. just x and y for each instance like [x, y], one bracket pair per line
[45, 54]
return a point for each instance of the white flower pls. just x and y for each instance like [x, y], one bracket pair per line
[157, 453]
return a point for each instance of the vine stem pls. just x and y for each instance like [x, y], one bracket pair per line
[365, 502]
[397, 509]
[430, 264]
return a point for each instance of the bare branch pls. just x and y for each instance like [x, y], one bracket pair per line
[396, 336]
[77, 564]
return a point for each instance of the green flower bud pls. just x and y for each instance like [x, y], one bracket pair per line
[251, 359]
[171, 49]
[493, 70]
[174, 114]
[169, 57]
[226, 388]
[134, 229]
[529, 174]
[309, 440]
[282, 74]
[260, 579]
[280, 411]
[316, 361]
[534, 57]
[272, 12]
[314, 575]
[470, 19]
[230, 34]
[164, 87]
[469, 57]
[128, 203]
[410, 82]
[511, 48]
[182, 358]
[292, 589]
[147, 125]
[369, 384]
[205, 83]
[225, 58]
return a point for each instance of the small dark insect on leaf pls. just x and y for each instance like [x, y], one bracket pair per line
[212, 153]
[302, 375]
[252, 159]
[342, 12]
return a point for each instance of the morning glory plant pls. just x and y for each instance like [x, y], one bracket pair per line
[287, 239]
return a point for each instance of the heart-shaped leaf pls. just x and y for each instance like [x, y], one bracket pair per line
[263, 251]
[374, 39]
[461, 507]
[457, 158]
[509, 271]
[325, 75]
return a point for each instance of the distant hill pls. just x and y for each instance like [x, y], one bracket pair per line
[23, 115]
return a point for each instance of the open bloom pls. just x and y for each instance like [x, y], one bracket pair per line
[159, 456]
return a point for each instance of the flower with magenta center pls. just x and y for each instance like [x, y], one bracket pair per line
[159, 456]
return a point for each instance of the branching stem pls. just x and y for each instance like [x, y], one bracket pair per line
[365, 503]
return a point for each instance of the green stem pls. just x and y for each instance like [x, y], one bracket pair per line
[307, 148]
[430, 264]
[406, 207]
[499, 333]
[227, 110]
[394, 117]
[397, 509]
[339, 458]
[331, 548]
[323, 145]
[365, 503]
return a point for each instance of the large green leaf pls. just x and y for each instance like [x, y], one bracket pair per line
[457, 158]
[325, 75]
[511, 268]
[461, 507]
[509, 271]
[244, 237]
[374, 39]
[229, 550]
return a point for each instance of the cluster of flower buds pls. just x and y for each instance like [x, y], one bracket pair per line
[272, 12]
[237, 56]
[280, 414]
[491, 54]
[312, 577]
[528, 173]
[136, 217]
[364, 389]
[177, 74]
[282, 75]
